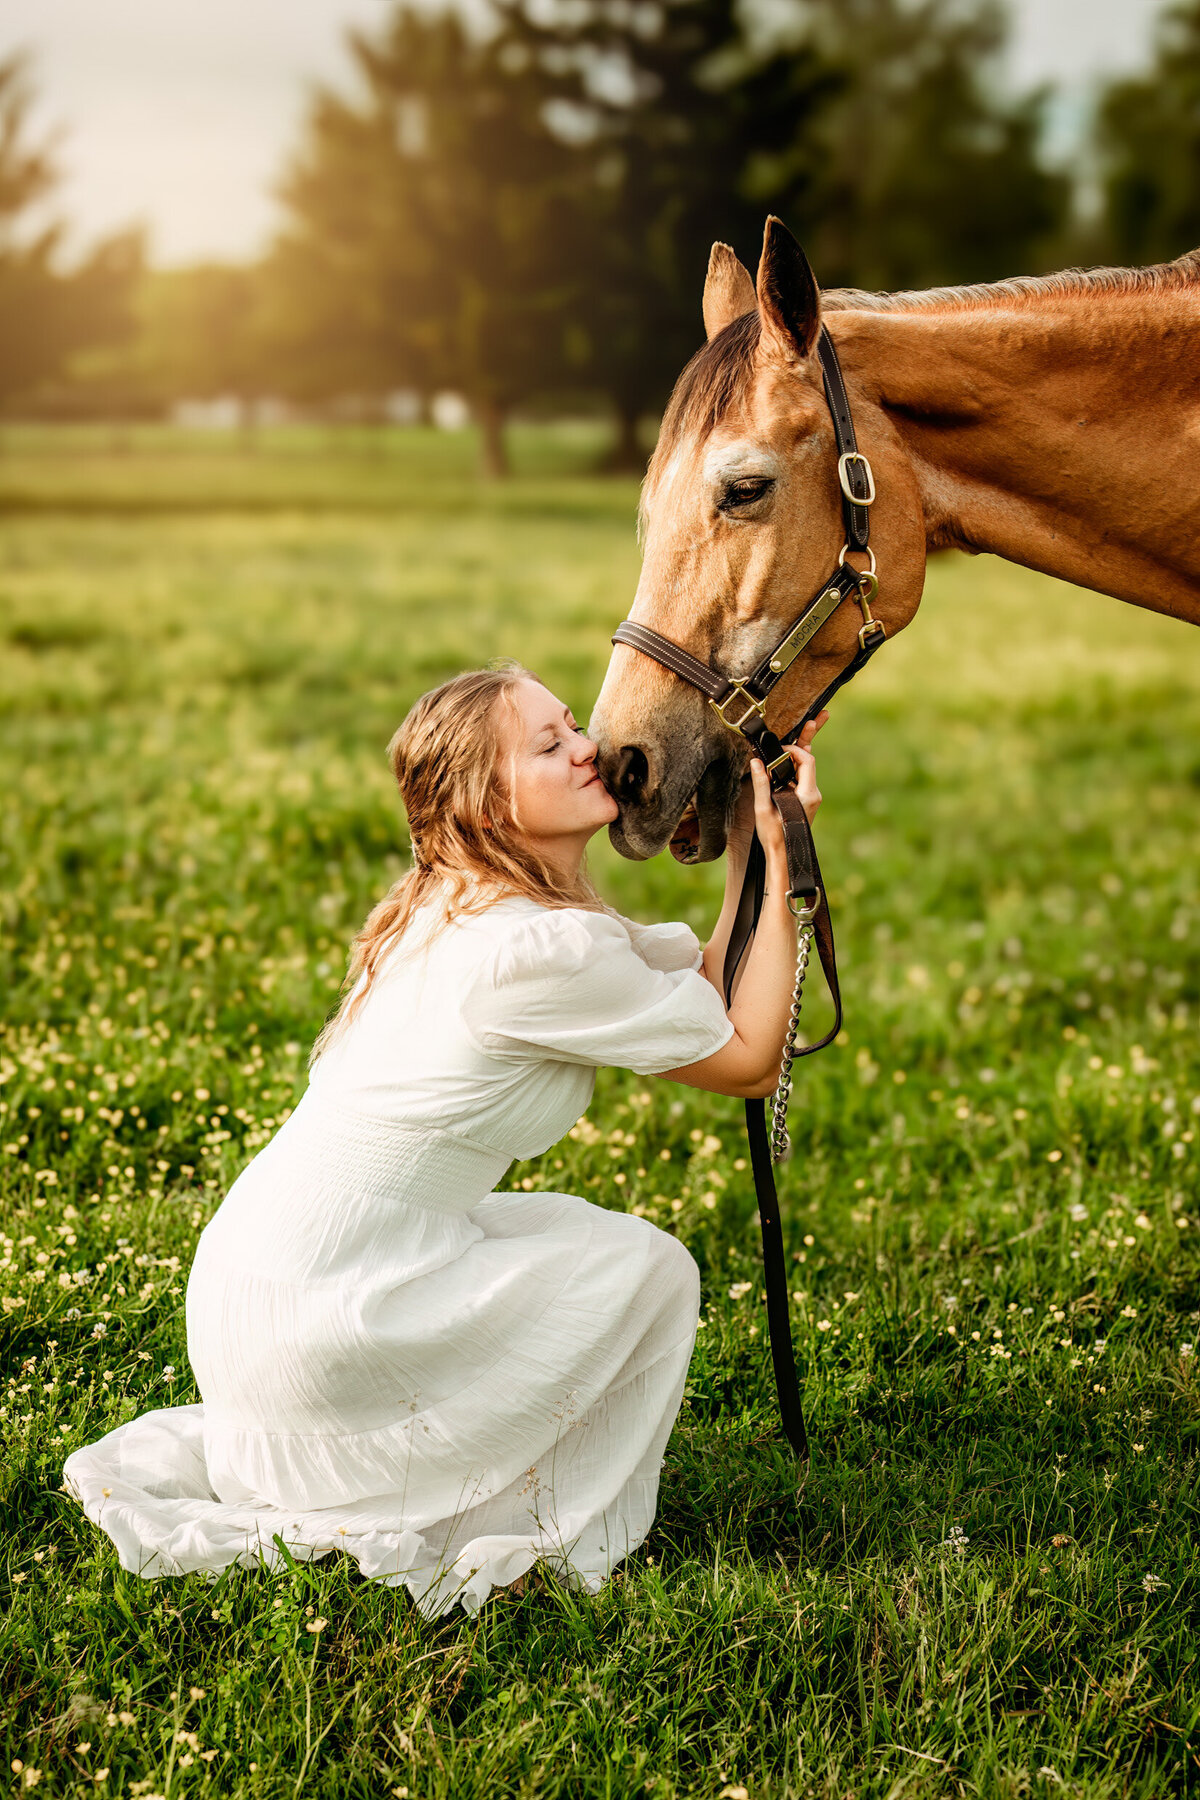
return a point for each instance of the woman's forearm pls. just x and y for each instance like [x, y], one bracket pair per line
[736, 857]
[763, 997]
[748, 1064]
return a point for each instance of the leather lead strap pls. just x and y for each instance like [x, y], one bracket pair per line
[804, 881]
[779, 1323]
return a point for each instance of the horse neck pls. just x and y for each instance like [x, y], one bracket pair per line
[1056, 430]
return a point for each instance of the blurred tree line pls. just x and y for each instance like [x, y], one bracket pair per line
[523, 216]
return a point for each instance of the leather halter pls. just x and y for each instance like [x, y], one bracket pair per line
[740, 704]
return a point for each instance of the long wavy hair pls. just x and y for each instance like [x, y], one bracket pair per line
[467, 846]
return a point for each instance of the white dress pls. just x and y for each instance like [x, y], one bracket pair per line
[446, 1382]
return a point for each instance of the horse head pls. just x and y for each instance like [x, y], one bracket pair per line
[741, 521]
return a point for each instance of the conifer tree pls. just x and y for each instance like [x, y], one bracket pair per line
[49, 311]
[430, 226]
[1148, 138]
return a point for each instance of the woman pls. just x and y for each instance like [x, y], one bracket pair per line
[448, 1382]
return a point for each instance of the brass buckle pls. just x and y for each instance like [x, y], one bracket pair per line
[844, 461]
[804, 915]
[779, 762]
[754, 708]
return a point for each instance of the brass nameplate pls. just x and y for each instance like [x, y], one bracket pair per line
[805, 628]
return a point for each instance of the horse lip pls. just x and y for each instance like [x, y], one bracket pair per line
[712, 805]
[707, 808]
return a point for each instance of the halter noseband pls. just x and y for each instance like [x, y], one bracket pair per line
[740, 703]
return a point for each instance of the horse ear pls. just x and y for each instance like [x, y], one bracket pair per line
[789, 303]
[728, 290]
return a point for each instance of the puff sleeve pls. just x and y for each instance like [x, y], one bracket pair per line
[667, 947]
[570, 986]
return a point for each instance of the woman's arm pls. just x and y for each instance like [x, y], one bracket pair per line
[737, 852]
[748, 1065]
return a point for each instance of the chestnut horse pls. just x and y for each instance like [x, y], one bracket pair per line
[1052, 421]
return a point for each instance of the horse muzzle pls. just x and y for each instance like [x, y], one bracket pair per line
[686, 808]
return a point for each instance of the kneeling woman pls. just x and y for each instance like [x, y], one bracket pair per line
[448, 1382]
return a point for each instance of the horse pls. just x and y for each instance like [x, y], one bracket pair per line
[1051, 420]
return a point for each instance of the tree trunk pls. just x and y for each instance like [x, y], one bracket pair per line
[627, 456]
[494, 462]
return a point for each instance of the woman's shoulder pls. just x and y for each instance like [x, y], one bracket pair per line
[532, 938]
[528, 940]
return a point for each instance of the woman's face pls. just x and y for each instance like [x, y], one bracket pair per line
[558, 800]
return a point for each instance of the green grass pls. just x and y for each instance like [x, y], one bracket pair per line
[140, 469]
[986, 1584]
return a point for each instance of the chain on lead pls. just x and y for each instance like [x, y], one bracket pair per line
[781, 1144]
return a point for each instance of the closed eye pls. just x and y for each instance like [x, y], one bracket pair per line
[747, 490]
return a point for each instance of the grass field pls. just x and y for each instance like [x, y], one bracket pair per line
[987, 1583]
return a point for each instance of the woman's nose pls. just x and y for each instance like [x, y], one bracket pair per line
[586, 750]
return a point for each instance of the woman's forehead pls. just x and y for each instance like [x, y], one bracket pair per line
[538, 707]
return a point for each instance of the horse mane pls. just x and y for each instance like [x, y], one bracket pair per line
[722, 370]
[1160, 278]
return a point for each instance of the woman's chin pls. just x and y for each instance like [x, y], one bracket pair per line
[601, 814]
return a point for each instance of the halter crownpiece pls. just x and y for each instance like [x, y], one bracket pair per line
[740, 702]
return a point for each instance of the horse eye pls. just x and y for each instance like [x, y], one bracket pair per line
[746, 492]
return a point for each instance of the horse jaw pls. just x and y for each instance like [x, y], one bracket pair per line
[701, 833]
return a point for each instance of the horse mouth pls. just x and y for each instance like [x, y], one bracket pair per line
[684, 844]
[699, 835]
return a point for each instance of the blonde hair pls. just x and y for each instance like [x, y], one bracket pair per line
[467, 847]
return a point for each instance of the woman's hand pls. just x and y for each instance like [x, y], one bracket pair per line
[745, 818]
[767, 822]
[748, 1065]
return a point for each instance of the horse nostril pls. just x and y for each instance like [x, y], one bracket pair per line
[631, 772]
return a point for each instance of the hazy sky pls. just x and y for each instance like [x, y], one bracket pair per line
[178, 112]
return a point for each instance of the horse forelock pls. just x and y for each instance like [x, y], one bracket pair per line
[719, 375]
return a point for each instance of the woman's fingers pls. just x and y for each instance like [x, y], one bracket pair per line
[807, 791]
[767, 823]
